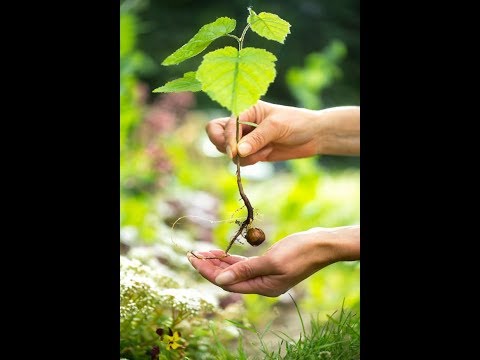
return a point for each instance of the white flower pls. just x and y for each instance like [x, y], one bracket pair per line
[191, 301]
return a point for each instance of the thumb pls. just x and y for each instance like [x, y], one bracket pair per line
[258, 138]
[243, 270]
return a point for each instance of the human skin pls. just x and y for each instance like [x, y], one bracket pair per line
[284, 133]
[284, 264]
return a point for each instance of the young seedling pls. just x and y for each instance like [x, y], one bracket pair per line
[236, 78]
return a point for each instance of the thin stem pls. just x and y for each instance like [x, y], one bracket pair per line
[240, 39]
[240, 46]
[234, 36]
[245, 199]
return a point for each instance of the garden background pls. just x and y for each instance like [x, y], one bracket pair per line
[169, 169]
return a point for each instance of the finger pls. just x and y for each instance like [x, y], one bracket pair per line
[244, 270]
[261, 155]
[216, 132]
[256, 113]
[230, 259]
[220, 262]
[257, 139]
[246, 129]
[262, 285]
[230, 136]
[219, 255]
[205, 267]
[204, 255]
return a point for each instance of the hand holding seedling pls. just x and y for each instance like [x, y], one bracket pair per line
[285, 264]
[284, 132]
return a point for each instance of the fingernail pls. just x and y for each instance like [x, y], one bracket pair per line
[225, 278]
[244, 148]
[229, 152]
[190, 258]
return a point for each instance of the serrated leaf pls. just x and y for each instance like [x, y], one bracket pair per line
[237, 79]
[187, 83]
[207, 33]
[269, 25]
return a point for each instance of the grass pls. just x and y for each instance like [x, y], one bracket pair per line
[337, 338]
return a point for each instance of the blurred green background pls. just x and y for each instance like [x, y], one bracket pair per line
[169, 169]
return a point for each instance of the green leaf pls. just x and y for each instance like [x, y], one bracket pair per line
[269, 25]
[207, 33]
[237, 79]
[187, 83]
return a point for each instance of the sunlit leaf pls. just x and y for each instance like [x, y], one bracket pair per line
[269, 26]
[201, 40]
[187, 83]
[237, 79]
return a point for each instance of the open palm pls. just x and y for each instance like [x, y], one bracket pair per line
[284, 265]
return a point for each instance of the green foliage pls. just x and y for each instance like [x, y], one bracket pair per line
[237, 79]
[187, 83]
[321, 69]
[332, 283]
[201, 40]
[259, 308]
[134, 211]
[269, 26]
[223, 352]
[336, 338]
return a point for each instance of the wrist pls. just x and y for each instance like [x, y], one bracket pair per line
[331, 245]
[347, 242]
[339, 130]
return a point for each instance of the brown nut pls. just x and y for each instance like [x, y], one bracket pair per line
[255, 236]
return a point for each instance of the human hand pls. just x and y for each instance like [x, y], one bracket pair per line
[285, 132]
[285, 264]
[281, 134]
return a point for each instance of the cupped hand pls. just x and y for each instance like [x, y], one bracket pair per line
[285, 264]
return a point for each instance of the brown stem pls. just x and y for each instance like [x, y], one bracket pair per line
[239, 180]
[249, 207]
[244, 197]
